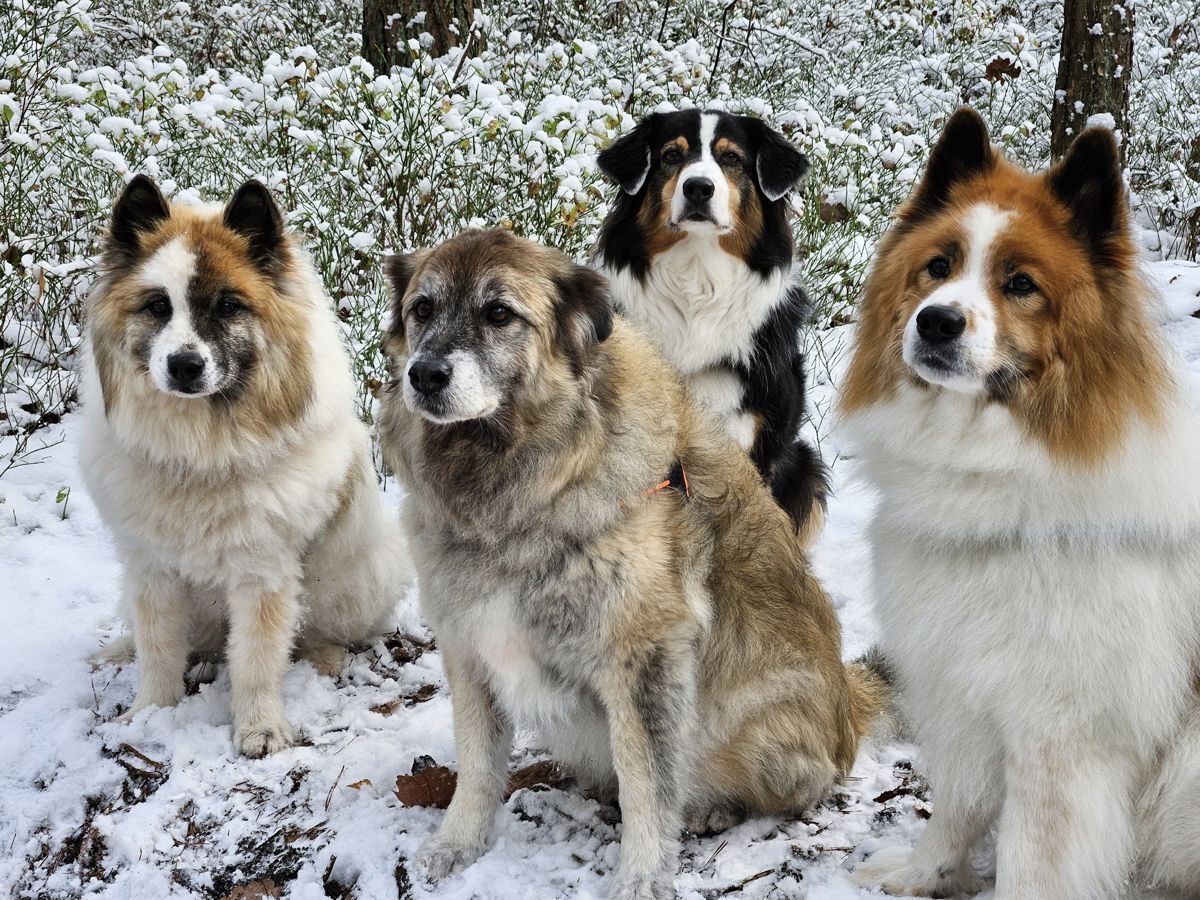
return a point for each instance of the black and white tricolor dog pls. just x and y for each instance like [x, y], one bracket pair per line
[699, 252]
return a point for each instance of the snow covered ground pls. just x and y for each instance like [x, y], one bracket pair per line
[162, 808]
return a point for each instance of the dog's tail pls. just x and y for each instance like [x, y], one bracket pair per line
[800, 483]
[873, 711]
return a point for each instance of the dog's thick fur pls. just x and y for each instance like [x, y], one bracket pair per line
[708, 275]
[676, 648]
[241, 495]
[1037, 578]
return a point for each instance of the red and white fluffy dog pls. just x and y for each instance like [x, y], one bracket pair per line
[1037, 540]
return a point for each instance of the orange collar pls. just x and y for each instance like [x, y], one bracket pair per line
[676, 478]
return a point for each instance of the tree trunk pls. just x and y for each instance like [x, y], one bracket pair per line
[447, 21]
[1093, 69]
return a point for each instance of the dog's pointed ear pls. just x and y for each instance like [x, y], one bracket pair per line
[963, 151]
[780, 166]
[253, 214]
[627, 159]
[139, 209]
[583, 314]
[1088, 182]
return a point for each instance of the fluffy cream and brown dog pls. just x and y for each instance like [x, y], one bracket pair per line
[602, 562]
[223, 450]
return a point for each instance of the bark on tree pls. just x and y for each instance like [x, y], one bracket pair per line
[447, 21]
[1093, 69]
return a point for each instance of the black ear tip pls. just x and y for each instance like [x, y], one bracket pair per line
[254, 193]
[1097, 142]
[252, 209]
[966, 129]
[142, 189]
[139, 208]
[966, 117]
[140, 182]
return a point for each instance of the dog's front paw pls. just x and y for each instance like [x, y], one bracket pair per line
[149, 697]
[438, 859]
[328, 660]
[261, 738]
[710, 820]
[643, 887]
[895, 871]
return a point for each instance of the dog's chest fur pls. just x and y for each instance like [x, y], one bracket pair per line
[220, 529]
[701, 305]
[522, 664]
[1016, 597]
[534, 616]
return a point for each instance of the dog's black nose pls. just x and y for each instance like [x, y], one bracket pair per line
[429, 376]
[185, 367]
[698, 189]
[939, 324]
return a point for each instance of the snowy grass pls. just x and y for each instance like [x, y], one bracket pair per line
[204, 95]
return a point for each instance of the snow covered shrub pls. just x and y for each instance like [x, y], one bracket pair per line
[204, 95]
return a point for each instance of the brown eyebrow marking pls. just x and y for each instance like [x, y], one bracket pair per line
[723, 144]
[679, 142]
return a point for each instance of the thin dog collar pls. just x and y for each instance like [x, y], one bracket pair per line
[676, 478]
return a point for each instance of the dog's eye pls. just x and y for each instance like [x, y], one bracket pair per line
[227, 308]
[421, 310]
[730, 158]
[1020, 284]
[672, 155]
[158, 306]
[939, 267]
[498, 313]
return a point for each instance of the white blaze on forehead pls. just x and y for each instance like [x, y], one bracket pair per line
[983, 225]
[170, 269]
[708, 133]
[705, 167]
[968, 291]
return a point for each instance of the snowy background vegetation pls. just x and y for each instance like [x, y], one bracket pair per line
[202, 95]
[206, 94]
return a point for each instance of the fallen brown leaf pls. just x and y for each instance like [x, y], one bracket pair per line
[428, 785]
[423, 693]
[1000, 68]
[831, 213]
[433, 785]
[386, 709]
[546, 773]
[420, 695]
[902, 791]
